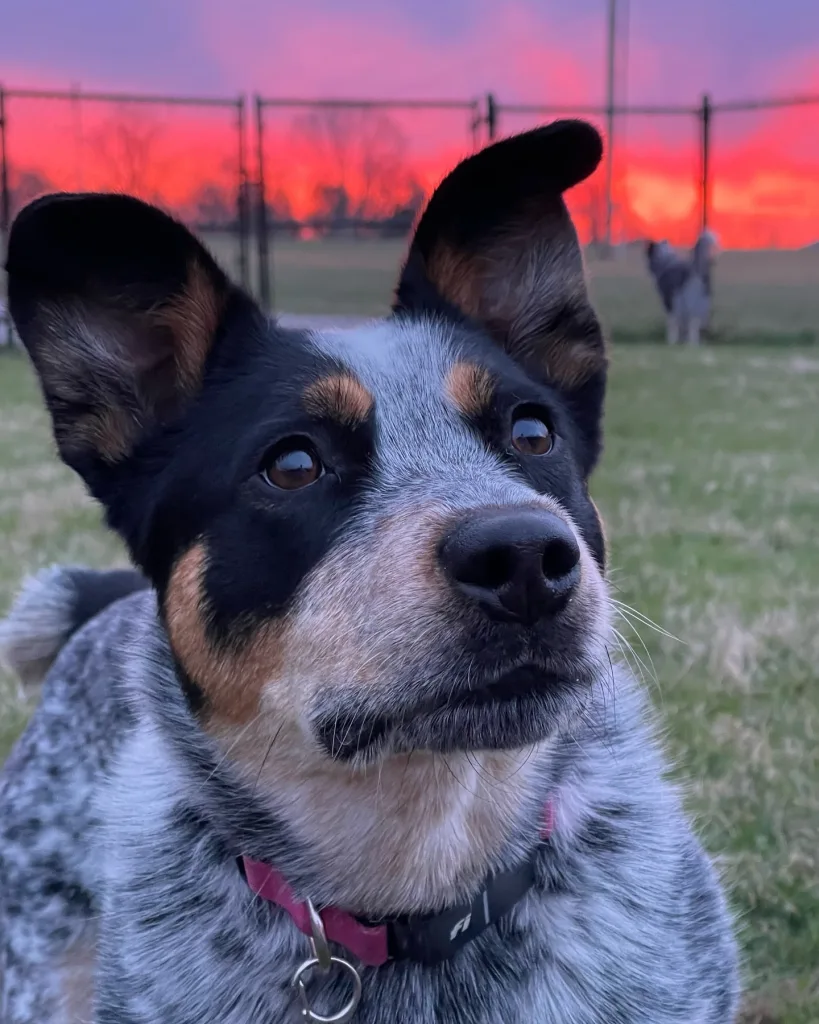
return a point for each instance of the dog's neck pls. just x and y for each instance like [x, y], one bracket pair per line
[411, 834]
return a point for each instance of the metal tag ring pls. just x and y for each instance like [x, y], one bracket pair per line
[345, 1014]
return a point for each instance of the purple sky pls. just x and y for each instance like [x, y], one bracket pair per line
[526, 50]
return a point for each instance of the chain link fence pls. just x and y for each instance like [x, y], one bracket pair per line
[308, 202]
[342, 170]
[184, 154]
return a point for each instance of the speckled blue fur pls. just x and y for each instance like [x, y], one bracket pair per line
[626, 924]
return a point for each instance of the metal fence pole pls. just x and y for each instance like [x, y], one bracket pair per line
[706, 112]
[5, 209]
[475, 125]
[241, 195]
[263, 241]
[76, 112]
[491, 117]
[610, 113]
[5, 198]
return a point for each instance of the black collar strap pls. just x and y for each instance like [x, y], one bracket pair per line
[428, 938]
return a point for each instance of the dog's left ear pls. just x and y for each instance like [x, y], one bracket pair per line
[119, 307]
[497, 244]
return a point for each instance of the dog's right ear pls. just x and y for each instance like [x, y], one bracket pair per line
[119, 307]
[496, 246]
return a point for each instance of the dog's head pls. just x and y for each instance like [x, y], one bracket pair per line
[382, 535]
[659, 254]
[707, 245]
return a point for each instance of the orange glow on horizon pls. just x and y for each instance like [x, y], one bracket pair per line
[765, 183]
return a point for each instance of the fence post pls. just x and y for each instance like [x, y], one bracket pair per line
[241, 195]
[5, 199]
[706, 112]
[475, 125]
[491, 117]
[76, 112]
[610, 125]
[265, 289]
[5, 212]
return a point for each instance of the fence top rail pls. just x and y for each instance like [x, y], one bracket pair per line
[122, 97]
[649, 109]
[411, 104]
[766, 104]
[279, 101]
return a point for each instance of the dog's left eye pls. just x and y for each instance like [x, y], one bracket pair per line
[292, 466]
[531, 436]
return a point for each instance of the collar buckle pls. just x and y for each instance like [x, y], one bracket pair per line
[323, 960]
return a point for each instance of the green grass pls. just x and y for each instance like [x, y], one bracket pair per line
[710, 489]
[45, 515]
[760, 297]
[765, 298]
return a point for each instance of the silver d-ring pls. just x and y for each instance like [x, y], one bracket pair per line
[345, 1014]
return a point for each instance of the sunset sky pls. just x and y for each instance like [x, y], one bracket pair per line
[766, 186]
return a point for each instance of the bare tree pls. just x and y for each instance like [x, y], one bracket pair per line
[361, 154]
[27, 184]
[127, 146]
[213, 205]
[590, 204]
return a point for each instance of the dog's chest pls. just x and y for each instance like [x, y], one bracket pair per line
[217, 956]
[598, 939]
[202, 948]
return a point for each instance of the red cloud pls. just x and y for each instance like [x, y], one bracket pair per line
[765, 164]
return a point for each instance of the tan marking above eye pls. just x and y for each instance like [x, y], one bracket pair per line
[293, 467]
[531, 436]
[469, 388]
[339, 397]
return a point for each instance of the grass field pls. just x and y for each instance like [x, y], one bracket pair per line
[760, 297]
[711, 493]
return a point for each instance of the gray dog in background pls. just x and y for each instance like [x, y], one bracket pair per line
[684, 285]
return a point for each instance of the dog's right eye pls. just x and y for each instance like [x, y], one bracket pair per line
[531, 436]
[291, 465]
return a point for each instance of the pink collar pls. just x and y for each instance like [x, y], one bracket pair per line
[429, 938]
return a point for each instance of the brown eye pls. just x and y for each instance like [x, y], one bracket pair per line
[531, 436]
[292, 468]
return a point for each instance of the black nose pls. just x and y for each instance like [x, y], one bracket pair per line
[519, 564]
